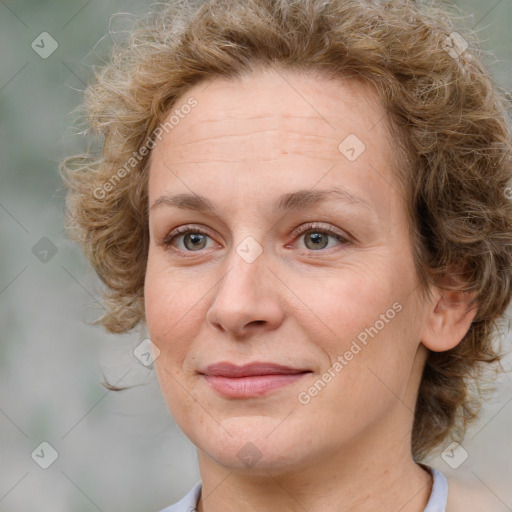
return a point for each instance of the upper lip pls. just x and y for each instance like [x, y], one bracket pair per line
[227, 369]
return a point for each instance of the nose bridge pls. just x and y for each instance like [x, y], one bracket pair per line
[245, 295]
[246, 271]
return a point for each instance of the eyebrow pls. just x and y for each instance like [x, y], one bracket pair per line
[286, 202]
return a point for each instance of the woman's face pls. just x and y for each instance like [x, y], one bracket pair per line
[296, 253]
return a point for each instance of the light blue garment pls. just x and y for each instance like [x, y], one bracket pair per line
[439, 494]
[436, 503]
[188, 503]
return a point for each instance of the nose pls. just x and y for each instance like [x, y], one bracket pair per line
[247, 299]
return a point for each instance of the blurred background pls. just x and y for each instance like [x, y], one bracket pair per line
[107, 451]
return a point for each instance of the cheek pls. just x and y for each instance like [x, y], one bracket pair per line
[344, 305]
[172, 312]
[369, 319]
[172, 307]
[364, 379]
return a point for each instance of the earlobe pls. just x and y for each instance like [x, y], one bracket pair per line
[448, 319]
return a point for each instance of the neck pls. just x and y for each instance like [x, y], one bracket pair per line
[363, 476]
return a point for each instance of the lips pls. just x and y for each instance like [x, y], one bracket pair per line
[250, 380]
[231, 370]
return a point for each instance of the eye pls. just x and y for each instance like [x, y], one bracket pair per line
[187, 239]
[316, 237]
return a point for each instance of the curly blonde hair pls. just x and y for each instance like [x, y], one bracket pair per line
[447, 115]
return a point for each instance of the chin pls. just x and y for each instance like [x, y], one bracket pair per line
[252, 444]
[251, 460]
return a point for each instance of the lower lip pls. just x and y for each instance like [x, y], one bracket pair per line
[247, 387]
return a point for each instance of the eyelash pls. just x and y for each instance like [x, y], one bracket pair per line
[313, 226]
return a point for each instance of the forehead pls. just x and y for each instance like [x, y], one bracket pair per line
[283, 93]
[274, 127]
[289, 102]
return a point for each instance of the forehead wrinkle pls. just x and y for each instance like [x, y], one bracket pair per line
[239, 160]
[254, 132]
[255, 146]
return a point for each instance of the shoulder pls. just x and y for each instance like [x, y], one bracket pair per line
[188, 502]
[471, 496]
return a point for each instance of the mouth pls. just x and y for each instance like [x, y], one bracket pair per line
[250, 380]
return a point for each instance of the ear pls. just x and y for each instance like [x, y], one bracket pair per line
[448, 319]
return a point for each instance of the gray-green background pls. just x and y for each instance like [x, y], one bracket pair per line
[116, 451]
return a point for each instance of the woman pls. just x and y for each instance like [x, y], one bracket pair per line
[305, 202]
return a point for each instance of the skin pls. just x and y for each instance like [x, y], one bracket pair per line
[247, 142]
